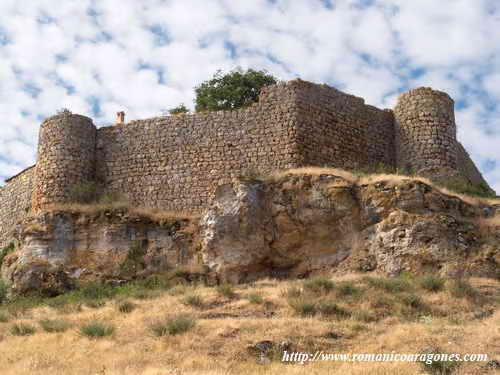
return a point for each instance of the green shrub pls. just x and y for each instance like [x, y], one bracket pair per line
[437, 367]
[97, 330]
[193, 300]
[413, 301]
[232, 90]
[432, 283]
[95, 290]
[463, 186]
[330, 308]
[319, 284]
[173, 326]
[256, 299]
[398, 284]
[226, 290]
[54, 325]
[181, 108]
[302, 306]
[154, 282]
[126, 307]
[22, 329]
[348, 289]
[134, 260]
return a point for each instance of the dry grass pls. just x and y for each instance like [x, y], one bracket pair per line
[313, 171]
[217, 343]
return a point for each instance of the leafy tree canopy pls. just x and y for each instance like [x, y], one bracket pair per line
[232, 90]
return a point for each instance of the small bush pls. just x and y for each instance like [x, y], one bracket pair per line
[173, 326]
[95, 304]
[364, 316]
[437, 367]
[97, 330]
[177, 290]
[193, 300]
[22, 329]
[348, 289]
[54, 325]
[302, 306]
[461, 288]
[432, 283]
[95, 290]
[134, 260]
[154, 282]
[226, 290]
[413, 301]
[330, 308]
[398, 284]
[4, 317]
[126, 307]
[382, 302]
[319, 284]
[256, 299]
[179, 109]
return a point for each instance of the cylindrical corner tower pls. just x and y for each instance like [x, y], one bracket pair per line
[66, 155]
[426, 133]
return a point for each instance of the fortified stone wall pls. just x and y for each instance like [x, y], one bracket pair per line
[176, 162]
[338, 130]
[66, 158]
[426, 133]
[15, 202]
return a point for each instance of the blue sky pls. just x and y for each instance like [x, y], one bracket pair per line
[143, 57]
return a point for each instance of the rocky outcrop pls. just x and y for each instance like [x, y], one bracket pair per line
[290, 226]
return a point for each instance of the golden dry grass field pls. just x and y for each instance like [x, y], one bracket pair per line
[138, 330]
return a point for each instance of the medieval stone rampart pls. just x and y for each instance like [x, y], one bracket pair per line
[176, 162]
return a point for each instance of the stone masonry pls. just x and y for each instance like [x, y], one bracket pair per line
[176, 162]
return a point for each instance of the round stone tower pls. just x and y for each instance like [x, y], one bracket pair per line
[66, 155]
[426, 133]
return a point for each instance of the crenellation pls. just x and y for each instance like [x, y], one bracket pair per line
[176, 162]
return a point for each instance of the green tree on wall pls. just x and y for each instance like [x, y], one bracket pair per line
[235, 89]
[181, 108]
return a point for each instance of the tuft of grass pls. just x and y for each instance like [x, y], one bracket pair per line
[432, 283]
[193, 300]
[302, 306]
[173, 326]
[154, 282]
[95, 330]
[226, 290]
[364, 316]
[95, 304]
[95, 290]
[256, 299]
[54, 325]
[438, 367]
[383, 302]
[126, 306]
[330, 308]
[461, 288]
[4, 317]
[319, 285]
[346, 289]
[413, 301]
[3, 290]
[22, 329]
[292, 292]
[395, 285]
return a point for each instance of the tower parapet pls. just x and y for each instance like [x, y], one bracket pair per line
[66, 157]
[426, 133]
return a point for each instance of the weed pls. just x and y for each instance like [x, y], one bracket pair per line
[256, 299]
[432, 283]
[173, 326]
[126, 307]
[54, 325]
[22, 329]
[97, 330]
[330, 308]
[319, 285]
[348, 289]
[226, 290]
[461, 288]
[193, 300]
[398, 284]
[302, 306]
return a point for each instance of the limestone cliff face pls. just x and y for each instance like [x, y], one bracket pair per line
[292, 226]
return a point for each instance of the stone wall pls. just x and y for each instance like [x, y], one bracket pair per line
[66, 158]
[338, 130]
[176, 162]
[15, 202]
[467, 167]
[426, 133]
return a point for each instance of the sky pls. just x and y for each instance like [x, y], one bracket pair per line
[97, 57]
